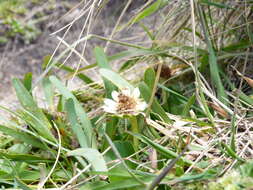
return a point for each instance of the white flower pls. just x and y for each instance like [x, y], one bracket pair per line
[125, 102]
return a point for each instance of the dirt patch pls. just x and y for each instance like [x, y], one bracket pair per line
[18, 58]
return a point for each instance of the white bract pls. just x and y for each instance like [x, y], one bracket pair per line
[125, 102]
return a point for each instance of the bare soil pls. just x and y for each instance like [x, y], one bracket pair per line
[18, 58]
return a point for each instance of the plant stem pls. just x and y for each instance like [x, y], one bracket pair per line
[135, 129]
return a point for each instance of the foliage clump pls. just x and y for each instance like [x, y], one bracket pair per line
[127, 130]
[241, 178]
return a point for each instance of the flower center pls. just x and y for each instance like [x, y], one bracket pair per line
[126, 104]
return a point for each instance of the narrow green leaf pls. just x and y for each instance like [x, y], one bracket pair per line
[121, 173]
[93, 185]
[156, 107]
[81, 76]
[216, 4]
[125, 54]
[102, 62]
[48, 91]
[182, 98]
[81, 114]
[245, 98]
[125, 149]
[148, 31]
[168, 153]
[149, 77]
[94, 157]
[29, 175]
[188, 105]
[233, 133]
[115, 78]
[22, 157]
[236, 46]
[101, 58]
[190, 177]
[24, 96]
[21, 184]
[76, 127]
[231, 153]
[149, 11]
[22, 137]
[215, 76]
[127, 65]
[214, 69]
[28, 81]
[117, 154]
[33, 115]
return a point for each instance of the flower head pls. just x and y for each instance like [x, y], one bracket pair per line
[125, 102]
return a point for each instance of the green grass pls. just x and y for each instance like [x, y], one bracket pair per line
[194, 134]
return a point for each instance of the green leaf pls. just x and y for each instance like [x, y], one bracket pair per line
[81, 76]
[182, 99]
[214, 69]
[191, 177]
[29, 175]
[125, 149]
[23, 157]
[48, 91]
[236, 46]
[149, 11]
[188, 105]
[132, 53]
[124, 54]
[115, 78]
[33, 115]
[149, 77]
[230, 152]
[215, 76]
[94, 157]
[76, 127]
[81, 114]
[28, 81]
[246, 169]
[233, 133]
[22, 137]
[21, 184]
[245, 98]
[93, 185]
[111, 127]
[101, 58]
[156, 107]
[24, 96]
[127, 65]
[102, 62]
[164, 151]
[148, 31]
[216, 4]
